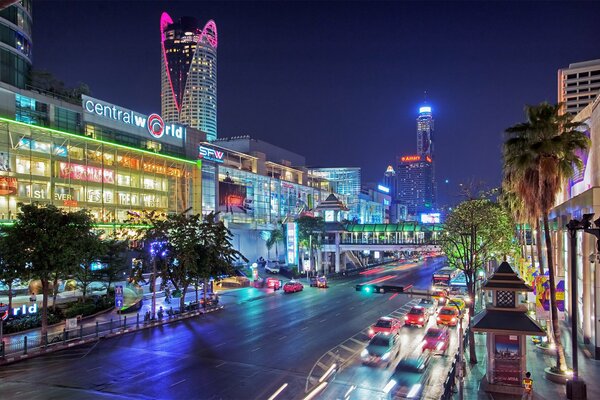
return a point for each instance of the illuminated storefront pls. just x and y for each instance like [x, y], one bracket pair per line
[73, 171]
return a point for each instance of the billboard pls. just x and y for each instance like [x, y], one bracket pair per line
[233, 198]
[8, 185]
[291, 231]
[430, 218]
[507, 360]
[542, 297]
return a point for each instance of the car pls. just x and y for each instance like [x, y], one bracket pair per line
[440, 296]
[418, 316]
[429, 303]
[457, 302]
[318, 281]
[436, 340]
[448, 315]
[382, 349]
[385, 325]
[410, 376]
[272, 267]
[292, 286]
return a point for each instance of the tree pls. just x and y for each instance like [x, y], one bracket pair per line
[93, 248]
[114, 260]
[310, 234]
[540, 154]
[10, 268]
[475, 231]
[50, 243]
[276, 236]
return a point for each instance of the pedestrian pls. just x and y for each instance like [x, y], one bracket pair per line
[33, 297]
[527, 387]
[160, 312]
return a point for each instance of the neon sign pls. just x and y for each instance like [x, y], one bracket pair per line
[139, 124]
[86, 173]
[210, 154]
[384, 189]
[410, 158]
[23, 310]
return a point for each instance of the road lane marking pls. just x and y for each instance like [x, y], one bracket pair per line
[306, 327]
[217, 366]
[278, 391]
[93, 369]
[258, 348]
[337, 314]
[347, 348]
[281, 338]
[220, 344]
[323, 320]
[177, 383]
[136, 375]
[272, 325]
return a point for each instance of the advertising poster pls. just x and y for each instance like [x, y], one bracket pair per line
[8, 185]
[233, 198]
[542, 297]
[507, 362]
[291, 243]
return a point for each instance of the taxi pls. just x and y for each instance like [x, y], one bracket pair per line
[448, 315]
[457, 302]
[385, 325]
[418, 316]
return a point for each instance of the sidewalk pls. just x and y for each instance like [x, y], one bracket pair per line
[537, 361]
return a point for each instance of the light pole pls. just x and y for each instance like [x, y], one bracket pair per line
[576, 388]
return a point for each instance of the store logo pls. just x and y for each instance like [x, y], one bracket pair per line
[210, 154]
[156, 125]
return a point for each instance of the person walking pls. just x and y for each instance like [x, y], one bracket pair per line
[527, 387]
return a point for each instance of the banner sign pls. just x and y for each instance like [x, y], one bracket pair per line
[507, 360]
[542, 297]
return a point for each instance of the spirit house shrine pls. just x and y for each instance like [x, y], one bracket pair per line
[507, 324]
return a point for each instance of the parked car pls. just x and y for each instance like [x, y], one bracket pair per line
[292, 286]
[318, 281]
[448, 315]
[382, 349]
[385, 325]
[272, 267]
[436, 340]
[418, 316]
[410, 377]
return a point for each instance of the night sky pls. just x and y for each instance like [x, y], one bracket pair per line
[340, 83]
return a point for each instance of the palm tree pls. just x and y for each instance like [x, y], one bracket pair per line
[540, 154]
[275, 237]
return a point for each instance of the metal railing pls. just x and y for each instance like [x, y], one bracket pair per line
[450, 382]
[12, 349]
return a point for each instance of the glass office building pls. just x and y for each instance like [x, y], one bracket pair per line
[16, 48]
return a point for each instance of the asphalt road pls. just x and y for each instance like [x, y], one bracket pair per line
[259, 342]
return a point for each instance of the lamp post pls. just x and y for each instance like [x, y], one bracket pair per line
[576, 388]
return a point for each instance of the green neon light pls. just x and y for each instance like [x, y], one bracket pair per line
[98, 225]
[122, 146]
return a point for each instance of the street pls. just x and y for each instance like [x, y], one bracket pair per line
[259, 342]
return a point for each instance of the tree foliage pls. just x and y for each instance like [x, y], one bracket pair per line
[275, 237]
[311, 231]
[51, 245]
[476, 231]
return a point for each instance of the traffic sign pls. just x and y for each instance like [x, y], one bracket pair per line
[118, 296]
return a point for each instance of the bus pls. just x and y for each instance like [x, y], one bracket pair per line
[441, 278]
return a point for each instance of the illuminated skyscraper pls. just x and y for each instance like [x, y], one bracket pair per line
[425, 132]
[415, 189]
[15, 42]
[189, 73]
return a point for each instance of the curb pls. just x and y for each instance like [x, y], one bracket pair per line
[40, 351]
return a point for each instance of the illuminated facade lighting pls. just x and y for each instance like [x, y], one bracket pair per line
[189, 73]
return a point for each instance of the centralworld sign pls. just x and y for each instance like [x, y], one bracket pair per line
[151, 127]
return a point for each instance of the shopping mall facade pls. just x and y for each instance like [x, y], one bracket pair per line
[116, 162]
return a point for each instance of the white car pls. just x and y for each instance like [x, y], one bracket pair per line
[272, 267]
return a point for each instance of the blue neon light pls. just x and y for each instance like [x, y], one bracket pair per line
[383, 188]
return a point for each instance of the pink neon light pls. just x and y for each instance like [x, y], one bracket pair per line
[165, 20]
[209, 32]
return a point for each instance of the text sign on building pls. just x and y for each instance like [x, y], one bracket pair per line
[150, 127]
[86, 173]
[210, 154]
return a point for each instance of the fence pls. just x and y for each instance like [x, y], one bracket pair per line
[14, 349]
[450, 381]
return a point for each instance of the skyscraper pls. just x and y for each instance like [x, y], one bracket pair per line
[579, 85]
[414, 180]
[425, 132]
[189, 73]
[15, 48]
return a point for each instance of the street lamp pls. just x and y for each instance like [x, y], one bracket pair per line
[576, 388]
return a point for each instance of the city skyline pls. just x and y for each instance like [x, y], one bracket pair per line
[287, 72]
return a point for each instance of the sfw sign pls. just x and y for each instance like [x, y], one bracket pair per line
[150, 127]
[210, 154]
